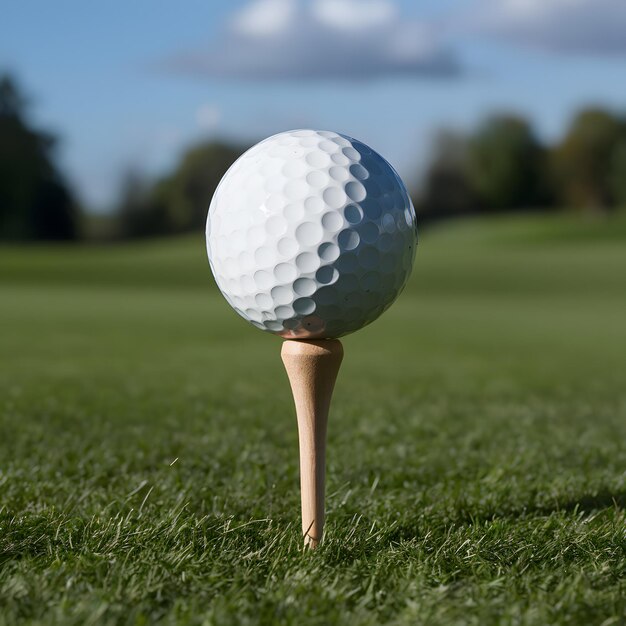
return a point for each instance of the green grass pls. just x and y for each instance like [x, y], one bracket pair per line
[476, 462]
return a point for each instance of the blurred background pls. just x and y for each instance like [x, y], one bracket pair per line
[118, 120]
[148, 449]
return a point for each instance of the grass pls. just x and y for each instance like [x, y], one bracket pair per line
[477, 467]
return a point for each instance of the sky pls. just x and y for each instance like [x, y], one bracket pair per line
[129, 85]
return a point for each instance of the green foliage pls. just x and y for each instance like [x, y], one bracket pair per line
[507, 164]
[35, 203]
[189, 190]
[502, 166]
[475, 466]
[589, 160]
[138, 214]
[617, 172]
[177, 203]
[447, 188]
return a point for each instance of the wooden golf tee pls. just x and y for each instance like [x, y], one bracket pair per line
[312, 367]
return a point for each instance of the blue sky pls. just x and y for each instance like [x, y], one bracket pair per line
[130, 84]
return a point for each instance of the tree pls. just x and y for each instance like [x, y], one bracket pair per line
[137, 214]
[447, 189]
[617, 173]
[507, 164]
[585, 159]
[179, 202]
[35, 203]
[187, 193]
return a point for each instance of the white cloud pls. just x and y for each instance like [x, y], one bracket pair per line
[264, 17]
[293, 39]
[596, 26]
[354, 15]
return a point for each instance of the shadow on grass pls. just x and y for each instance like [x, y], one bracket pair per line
[585, 504]
[436, 525]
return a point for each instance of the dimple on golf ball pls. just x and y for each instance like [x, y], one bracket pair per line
[311, 234]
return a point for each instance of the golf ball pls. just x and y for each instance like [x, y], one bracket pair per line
[311, 234]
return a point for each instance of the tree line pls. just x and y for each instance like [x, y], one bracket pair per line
[500, 166]
[36, 202]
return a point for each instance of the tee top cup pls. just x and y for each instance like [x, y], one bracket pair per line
[311, 235]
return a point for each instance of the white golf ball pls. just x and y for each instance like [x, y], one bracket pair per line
[311, 234]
